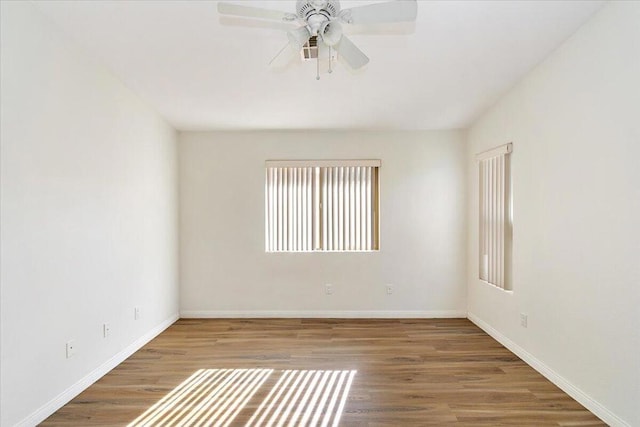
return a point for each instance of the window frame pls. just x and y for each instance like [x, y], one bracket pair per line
[318, 195]
[495, 217]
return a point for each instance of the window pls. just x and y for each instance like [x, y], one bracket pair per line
[495, 216]
[322, 205]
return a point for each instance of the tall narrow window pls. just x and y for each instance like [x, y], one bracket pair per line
[495, 216]
[323, 205]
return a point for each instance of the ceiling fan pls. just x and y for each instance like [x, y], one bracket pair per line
[322, 20]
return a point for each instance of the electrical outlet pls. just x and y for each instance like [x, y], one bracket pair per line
[106, 330]
[136, 313]
[71, 348]
[523, 320]
[389, 289]
[328, 289]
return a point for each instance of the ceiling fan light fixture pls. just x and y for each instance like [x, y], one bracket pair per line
[298, 37]
[331, 32]
[316, 22]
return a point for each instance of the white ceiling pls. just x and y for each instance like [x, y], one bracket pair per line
[202, 71]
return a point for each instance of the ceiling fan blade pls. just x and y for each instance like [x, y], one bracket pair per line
[236, 21]
[253, 12]
[350, 53]
[381, 13]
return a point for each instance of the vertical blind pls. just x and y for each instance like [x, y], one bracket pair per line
[321, 205]
[495, 222]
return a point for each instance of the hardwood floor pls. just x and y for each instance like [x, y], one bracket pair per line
[406, 372]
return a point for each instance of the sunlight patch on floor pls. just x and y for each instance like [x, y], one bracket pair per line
[214, 397]
[305, 398]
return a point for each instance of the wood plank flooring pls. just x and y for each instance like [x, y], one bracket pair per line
[408, 372]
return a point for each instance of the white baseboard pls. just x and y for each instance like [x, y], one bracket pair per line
[269, 314]
[584, 399]
[63, 398]
[580, 396]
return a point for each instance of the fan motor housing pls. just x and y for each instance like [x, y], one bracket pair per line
[329, 8]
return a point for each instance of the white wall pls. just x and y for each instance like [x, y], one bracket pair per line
[574, 123]
[225, 271]
[89, 218]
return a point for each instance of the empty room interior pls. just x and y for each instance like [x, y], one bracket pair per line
[358, 213]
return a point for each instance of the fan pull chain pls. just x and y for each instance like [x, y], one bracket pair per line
[330, 70]
[318, 66]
